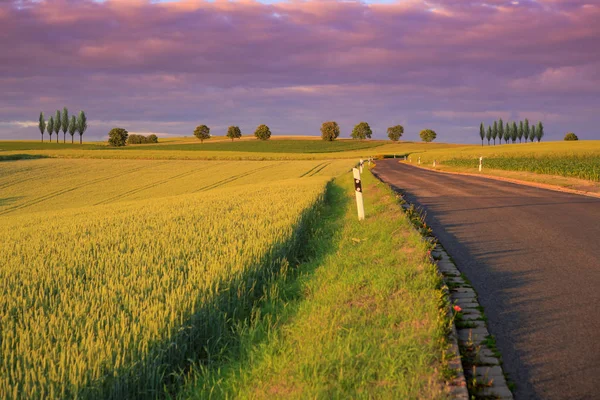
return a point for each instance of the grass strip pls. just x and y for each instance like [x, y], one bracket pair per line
[358, 318]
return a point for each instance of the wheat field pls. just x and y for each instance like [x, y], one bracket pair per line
[115, 272]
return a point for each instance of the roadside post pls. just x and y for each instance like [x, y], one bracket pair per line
[419, 161]
[480, 163]
[359, 196]
[434, 162]
[361, 165]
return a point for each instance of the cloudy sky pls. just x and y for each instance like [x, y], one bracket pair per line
[166, 66]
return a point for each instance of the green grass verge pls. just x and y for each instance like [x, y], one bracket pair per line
[359, 318]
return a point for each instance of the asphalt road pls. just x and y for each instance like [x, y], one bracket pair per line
[533, 256]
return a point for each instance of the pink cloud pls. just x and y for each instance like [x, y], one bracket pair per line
[190, 60]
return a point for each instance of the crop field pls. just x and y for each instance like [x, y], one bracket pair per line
[54, 184]
[113, 273]
[569, 159]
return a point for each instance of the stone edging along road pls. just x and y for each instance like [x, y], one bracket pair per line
[475, 360]
[511, 180]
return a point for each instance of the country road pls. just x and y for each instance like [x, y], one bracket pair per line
[533, 256]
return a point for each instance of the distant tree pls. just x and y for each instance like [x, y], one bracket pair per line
[57, 123]
[65, 123]
[533, 133]
[141, 139]
[42, 125]
[521, 132]
[152, 138]
[500, 129]
[117, 137]
[202, 132]
[506, 136]
[263, 132]
[361, 131]
[72, 127]
[526, 130]
[488, 134]
[513, 132]
[481, 133]
[50, 127]
[81, 125]
[495, 132]
[539, 134]
[395, 132]
[428, 135]
[571, 136]
[234, 132]
[330, 130]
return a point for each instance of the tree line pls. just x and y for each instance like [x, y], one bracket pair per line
[62, 121]
[330, 130]
[511, 132]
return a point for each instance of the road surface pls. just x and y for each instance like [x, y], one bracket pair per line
[533, 256]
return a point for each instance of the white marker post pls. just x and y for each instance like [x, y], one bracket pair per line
[359, 196]
[419, 161]
[361, 165]
[480, 163]
[434, 162]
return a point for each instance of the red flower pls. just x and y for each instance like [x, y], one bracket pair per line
[457, 309]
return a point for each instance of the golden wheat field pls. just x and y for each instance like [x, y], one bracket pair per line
[115, 272]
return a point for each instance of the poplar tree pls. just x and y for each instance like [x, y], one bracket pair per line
[526, 130]
[520, 133]
[501, 130]
[42, 125]
[481, 133]
[533, 133]
[488, 135]
[81, 125]
[495, 132]
[540, 131]
[50, 127]
[72, 127]
[57, 123]
[65, 123]
[506, 136]
[515, 133]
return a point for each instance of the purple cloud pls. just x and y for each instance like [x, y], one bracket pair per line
[446, 64]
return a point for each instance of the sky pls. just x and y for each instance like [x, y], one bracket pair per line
[165, 67]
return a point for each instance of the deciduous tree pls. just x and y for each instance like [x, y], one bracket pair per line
[521, 131]
[533, 133]
[488, 134]
[202, 132]
[117, 137]
[395, 132]
[428, 135]
[330, 130]
[500, 130]
[495, 132]
[571, 136]
[234, 132]
[526, 130]
[515, 132]
[361, 131]
[263, 132]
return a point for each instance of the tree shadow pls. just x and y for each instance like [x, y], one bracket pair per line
[211, 338]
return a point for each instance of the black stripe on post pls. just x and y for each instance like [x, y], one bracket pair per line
[357, 185]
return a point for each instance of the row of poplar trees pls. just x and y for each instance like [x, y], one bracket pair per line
[62, 121]
[511, 132]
